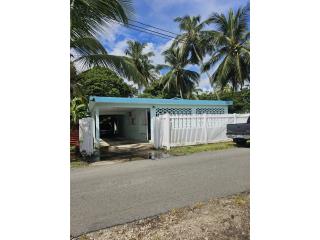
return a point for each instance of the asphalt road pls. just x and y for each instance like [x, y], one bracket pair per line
[103, 196]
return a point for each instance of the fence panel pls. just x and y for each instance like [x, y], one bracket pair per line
[180, 130]
[86, 135]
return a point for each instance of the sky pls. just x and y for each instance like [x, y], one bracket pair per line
[161, 13]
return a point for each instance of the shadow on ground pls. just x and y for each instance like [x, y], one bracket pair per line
[132, 151]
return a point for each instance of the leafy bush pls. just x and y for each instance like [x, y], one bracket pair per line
[100, 81]
[241, 99]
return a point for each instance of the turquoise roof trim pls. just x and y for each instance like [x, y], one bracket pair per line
[157, 101]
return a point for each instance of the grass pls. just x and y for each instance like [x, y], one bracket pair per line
[78, 163]
[178, 151]
[241, 200]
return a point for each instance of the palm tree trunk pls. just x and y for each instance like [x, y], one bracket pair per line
[208, 75]
[181, 93]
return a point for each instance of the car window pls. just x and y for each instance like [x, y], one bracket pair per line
[248, 121]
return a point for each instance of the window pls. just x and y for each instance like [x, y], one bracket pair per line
[173, 111]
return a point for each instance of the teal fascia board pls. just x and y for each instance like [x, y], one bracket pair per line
[157, 101]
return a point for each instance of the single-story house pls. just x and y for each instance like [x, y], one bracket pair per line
[133, 118]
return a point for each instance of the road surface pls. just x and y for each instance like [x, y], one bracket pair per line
[103, 196]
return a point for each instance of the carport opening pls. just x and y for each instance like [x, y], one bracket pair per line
[111, 126]
[119, 126]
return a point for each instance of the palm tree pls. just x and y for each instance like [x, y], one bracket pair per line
[230, 48]
[75, 85]
[141, 61]
[178, 77]
[193, 39]
[88, 18]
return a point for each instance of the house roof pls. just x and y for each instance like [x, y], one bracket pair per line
[157, 101]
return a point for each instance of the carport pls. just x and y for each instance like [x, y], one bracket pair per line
[132, 119]
[116, 125]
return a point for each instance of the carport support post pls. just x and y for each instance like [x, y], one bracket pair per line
[97, 140]
[152, 122]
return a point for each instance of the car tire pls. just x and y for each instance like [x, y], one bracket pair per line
[240, 141]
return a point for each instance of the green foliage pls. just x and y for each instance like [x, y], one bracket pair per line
[156, 90]
[177, 151]
[88, 19]
[241, 99]
[229, 49]
[100, 81]
[192, 39]
[178, 77]
[78, 110]
[141, 61]
[75, 86]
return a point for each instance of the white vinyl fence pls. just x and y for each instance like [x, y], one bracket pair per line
[180, 130]
[86, 135]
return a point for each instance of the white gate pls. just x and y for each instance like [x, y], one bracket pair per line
[86, 135]
[180, 130]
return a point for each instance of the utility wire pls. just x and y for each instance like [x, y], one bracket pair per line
[151, 30]
[154, 34]
[133, 27]
[153, 27]
[145, 30]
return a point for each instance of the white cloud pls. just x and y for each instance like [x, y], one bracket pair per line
[204, 83]
[158, 50]
[119, 48]
[109, 33]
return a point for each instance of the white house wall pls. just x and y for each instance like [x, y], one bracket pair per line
[139, 129]
[136, 125]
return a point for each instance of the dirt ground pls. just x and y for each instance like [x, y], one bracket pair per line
[220, 218]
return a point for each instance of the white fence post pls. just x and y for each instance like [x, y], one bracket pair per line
[167, 130]
[86, 135]
[205, 128]
[178, 130]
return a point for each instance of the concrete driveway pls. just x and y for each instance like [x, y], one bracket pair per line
[103, 196]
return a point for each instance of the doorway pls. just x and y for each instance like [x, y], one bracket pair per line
[110, 126]
[149, 125]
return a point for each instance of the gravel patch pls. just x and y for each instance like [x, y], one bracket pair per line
[219, 219]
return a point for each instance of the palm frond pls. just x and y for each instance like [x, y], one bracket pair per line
[89, 16]
[87, 45]
[123, 66]
[230, 48]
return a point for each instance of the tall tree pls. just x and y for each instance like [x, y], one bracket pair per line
[88, 18]
[192, 39]
[156, 89]
[178, 76]
[141, 61]
[229, 48]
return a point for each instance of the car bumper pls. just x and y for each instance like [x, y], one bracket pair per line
[238, 136]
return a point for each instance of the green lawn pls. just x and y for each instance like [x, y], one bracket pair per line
[78, 163]
[200, 148]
